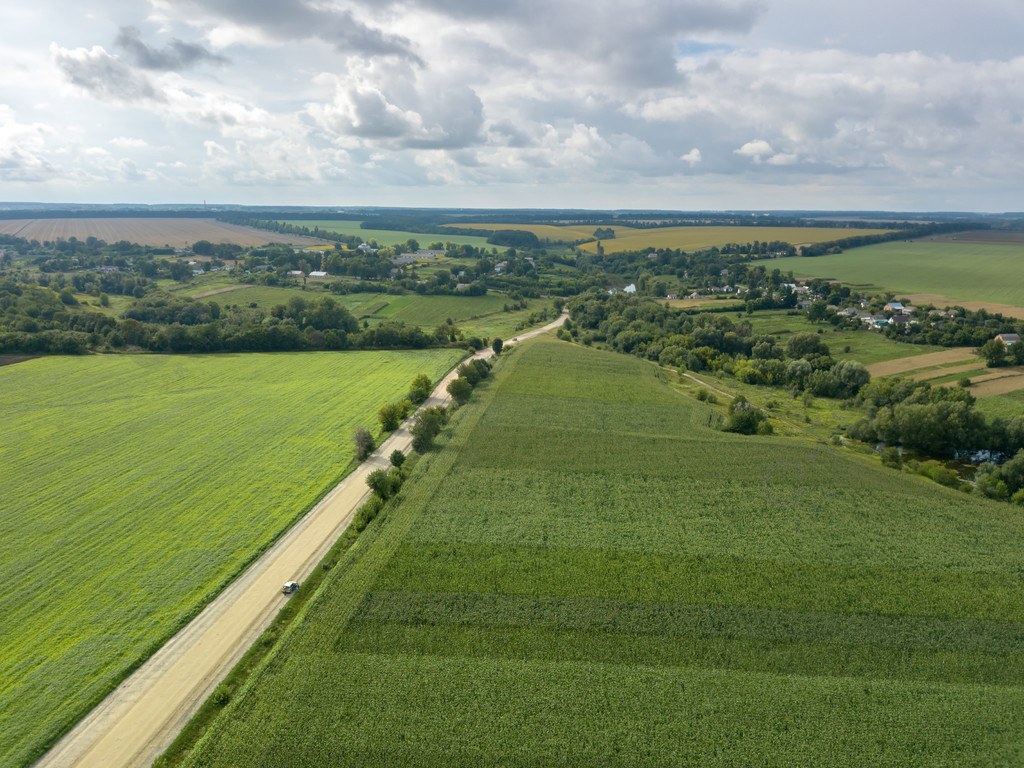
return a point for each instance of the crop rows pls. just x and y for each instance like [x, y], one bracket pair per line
[558, 590]
[133, 487]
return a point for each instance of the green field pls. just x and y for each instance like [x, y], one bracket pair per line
[134, 487]
[967, 272]
[587, 575]
[866, 346]
[390, 236]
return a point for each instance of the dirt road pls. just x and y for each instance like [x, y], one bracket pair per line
[140, 718]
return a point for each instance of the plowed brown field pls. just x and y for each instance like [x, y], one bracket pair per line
[176, 233]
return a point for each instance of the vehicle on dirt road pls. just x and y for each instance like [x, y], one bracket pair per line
[289, 587]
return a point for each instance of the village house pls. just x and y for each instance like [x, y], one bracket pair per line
[1009, 339]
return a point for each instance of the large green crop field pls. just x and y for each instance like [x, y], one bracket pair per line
[391, 236]
[969, 272]
[588, 575]
[134, 487]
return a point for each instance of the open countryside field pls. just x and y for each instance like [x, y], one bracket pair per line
[587, 575]
[475, 315]
[543, 232]
[176, 233]
[898, 366]
[389, 236]
[960, 272]
[695, 238]
[134, 487]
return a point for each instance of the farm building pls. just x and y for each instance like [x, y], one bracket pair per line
[319, 275]
[1009, 339]
[894, 306]
[295, 273]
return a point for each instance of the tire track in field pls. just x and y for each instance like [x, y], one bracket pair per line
[139, 719]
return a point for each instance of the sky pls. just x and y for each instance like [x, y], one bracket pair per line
[665, 104]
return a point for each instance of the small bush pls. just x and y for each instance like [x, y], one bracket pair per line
[397, 458]
[891, 457]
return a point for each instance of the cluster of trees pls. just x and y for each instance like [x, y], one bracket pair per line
[711, 342]
[471, 373]
[939, 421]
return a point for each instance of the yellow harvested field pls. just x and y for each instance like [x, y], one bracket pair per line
[686, 238]
[695, 238]
[916, 362]
[542, 231]
[176, 233]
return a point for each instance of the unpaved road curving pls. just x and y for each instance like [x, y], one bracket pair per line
[142, 716]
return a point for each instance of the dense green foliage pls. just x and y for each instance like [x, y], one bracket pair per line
[587, 575]
[134, 487]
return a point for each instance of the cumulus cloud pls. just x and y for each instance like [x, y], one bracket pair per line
[755, 150]
[175, 55]
[692, 157]
[23, 149]
[401, 106]
[103, 75]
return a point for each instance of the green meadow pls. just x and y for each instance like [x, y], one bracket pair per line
[865, 345]
[586, 574]
[135, 487]
[963, 271]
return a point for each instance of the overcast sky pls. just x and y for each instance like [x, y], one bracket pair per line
[674, 104]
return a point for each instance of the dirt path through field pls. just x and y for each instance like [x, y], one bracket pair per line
[215, 291]
[140, 718]
[904, 364]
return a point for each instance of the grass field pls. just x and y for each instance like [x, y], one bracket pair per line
[866, 346]
[586, 575]
[177, 233]
[975, 272]
[135, 486]
[390, 236]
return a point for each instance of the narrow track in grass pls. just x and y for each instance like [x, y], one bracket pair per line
[142, 716]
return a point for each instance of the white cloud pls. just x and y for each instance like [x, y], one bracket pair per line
[755, 150]
[127, 142]
[692, 157]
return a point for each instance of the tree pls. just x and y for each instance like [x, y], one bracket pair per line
[746, 419]
[380, 482]
[818, 311]
[497, 344]
[419, 389]
[397, 458]
[363, 441]
[994, 352]
[392, 414]
[460, 389]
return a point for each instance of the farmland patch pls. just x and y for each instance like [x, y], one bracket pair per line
[135, 486]
[176, 233]
[587, 575]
